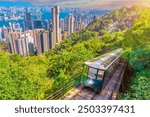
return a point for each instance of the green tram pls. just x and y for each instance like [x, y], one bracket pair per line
[97, 72]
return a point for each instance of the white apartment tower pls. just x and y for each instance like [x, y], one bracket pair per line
[62, 24]
[55, 24]
[70, 24]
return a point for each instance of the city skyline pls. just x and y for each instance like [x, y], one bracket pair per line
[84, 4]
[35, 37]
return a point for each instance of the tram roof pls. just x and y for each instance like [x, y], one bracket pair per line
[105, 61]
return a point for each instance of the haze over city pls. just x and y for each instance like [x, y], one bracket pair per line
[84, 4]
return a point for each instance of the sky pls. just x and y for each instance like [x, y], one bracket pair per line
[85, 4]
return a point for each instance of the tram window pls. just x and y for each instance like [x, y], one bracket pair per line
[100, 75]
[92, 73]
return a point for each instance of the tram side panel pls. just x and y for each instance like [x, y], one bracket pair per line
[108, 74]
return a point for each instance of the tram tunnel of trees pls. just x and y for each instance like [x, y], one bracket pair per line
[36, 77]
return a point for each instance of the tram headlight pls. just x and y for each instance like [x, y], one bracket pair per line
[90, 82]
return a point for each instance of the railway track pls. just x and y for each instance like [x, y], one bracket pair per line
[85, 94]
[108, 91]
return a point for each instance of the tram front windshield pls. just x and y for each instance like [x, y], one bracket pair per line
[92, 73]
[95, 74]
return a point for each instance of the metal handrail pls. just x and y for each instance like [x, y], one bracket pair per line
[71, 82]
[59, 92]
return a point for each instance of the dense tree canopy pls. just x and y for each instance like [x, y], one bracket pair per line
[23, 78]
[137, 44]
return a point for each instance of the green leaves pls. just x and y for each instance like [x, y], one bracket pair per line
[138, 54]
[140, 86]
[23, 78]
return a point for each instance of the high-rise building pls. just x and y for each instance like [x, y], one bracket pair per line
[50, 23]
[52, 40]
[70, 24]
[39, 38]
[60, 35]
[19, 43]
[19, 46]
[16, 27]
[24, 45]
[12, 46]
[66, 23]
[47, 25]
[11, 27]
[62, 24]
[1, 34]
[4, 32]
[76, 24]
[37, 24]
[55, 23]
[35, 33]
[46, 41]
[28, 21]
[29, 42]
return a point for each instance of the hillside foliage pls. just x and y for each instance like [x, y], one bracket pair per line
[137, 45]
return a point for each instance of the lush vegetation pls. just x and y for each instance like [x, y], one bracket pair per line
[37, 76]
[23, 78]
[137, 44]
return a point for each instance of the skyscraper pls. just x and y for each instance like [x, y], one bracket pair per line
[30, 42]
[4, 32]
[24, 26]
[19, 46]
[60, 35]
[66, 23]
[28, 21]
[16, 27]
[76, 24]
[55, 24]
[70, 24]
[46, 41]
[13, 36]
[11, 27]
[35, 33]
[52, 41]
[50, 23]
[1, 37]
[20, 43]
[39, 37]
[62, 24]
[47, 25]
[24, 45]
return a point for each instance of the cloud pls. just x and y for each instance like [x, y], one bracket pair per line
[101, 4]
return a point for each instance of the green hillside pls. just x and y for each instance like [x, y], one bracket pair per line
[36, 77]
[137, 45]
